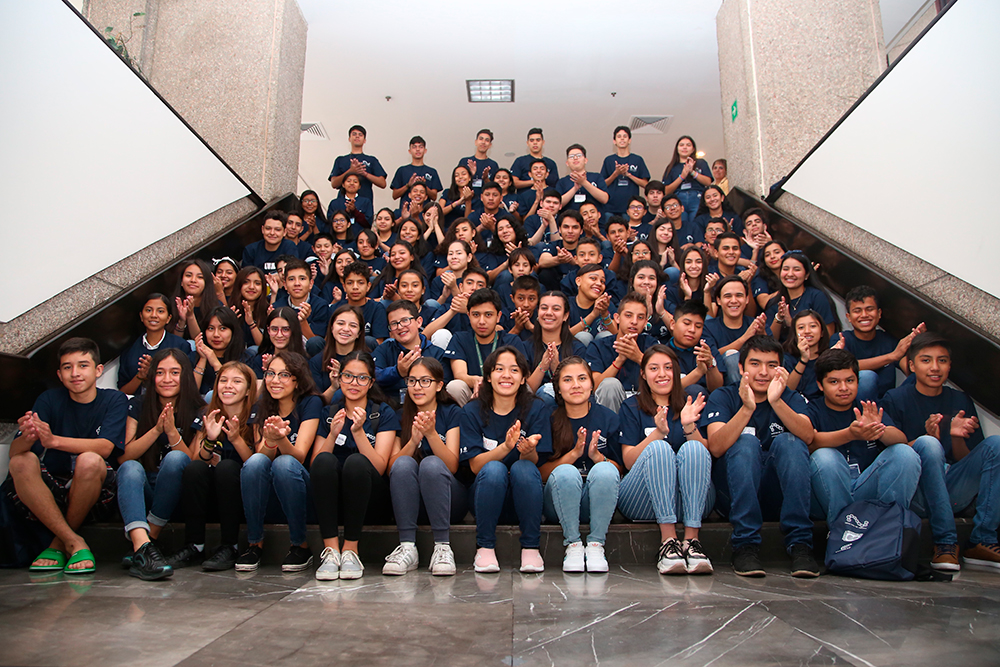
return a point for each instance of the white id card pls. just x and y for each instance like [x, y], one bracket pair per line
[579, 198]
[649, 431]
[478, 183]
[341, 440]
[750, 430]
[489, 444]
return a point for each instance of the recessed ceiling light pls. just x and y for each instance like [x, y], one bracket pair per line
[490, 90]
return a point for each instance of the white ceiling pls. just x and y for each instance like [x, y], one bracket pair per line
[566, 58]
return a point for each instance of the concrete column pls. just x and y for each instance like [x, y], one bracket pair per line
[788, 71]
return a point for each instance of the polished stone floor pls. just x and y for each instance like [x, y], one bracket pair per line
[631, 616]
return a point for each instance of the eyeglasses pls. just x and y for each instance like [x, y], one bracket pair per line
[361, 380]
[310, 201]
[400, 323]
[423, 382]
[284, 376]
[575, 156]
[672, 206]
[636, 207]
[274, 331]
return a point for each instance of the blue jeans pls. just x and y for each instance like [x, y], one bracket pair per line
[752, 482]
[664, 485]
[569, 499]
[891, 477]
[290, 481]
[427, 485]
[867, 386]
[730, 368]
[690, 199]
[499, 493]
[944, 489]
[160, 489]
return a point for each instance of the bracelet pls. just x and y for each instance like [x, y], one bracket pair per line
[606, 319]
[180, 439]
[199, 372]
[617, 368]
[267, 446]
[204, 459]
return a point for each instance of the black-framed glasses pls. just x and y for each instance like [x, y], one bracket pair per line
[400, 323]
[284, 376]
[423, 382]
[361, 380]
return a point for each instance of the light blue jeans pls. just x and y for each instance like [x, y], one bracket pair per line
[570, 500]
[665, 486]
[160, 490]
[891, 477]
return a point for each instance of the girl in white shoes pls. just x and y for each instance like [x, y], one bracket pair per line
[582, 476]
[505, 437]
[422, 470]
[669, 467]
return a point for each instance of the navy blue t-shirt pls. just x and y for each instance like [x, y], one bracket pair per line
[372, 166]
[612, 285]
[883, 343]
[104, 417]
[463, 345]
[637, 425]
[734, 222]
[128, 362]
[909, 410]
[857, 452]
[403, 174]
[598, 418]
[522, 169]
[162, 444]
[308, 407]
[623, 187]
[479, 437]
[319, 316]
[477, 178]
[387, 354]
[376, 321]
[690, 183]
[725, 402]
[690, 232]
[318, 368]
[344, 445]
[718, 335]
[811, 298]
[362, 206]
[582, 196]
[577, 314]
[601, 354]
[446, 417]
[807, 381]
[257, 255]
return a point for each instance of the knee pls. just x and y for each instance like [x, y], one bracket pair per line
[566, 476]
[904, 454]
[787, 444]
[826, 460]
[196, 470]
[90, 465]
[991, 446]
[493, 472]
[257, 464]
[610, 386]
[285, 465]
[405, 466]
[603, 473]
[745, 447]
[692, 450]
[357, 464]
[431, 466]
[660, 450]
[929, 449]
[524, 471]
[225, 468]
[175, 460]
[25, 463]
[131, 472]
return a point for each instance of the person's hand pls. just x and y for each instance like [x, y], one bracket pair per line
[43, 432]
[661, 297]
[784, 314]
[564, 256]
[337, 425]
[220, 289]
[467, 193]
[358, 417]
[183, 307]
[578, 178]
[512, 206]
[748, 273]
[839, 345]
[474, 247]
[746, 393]
[522, 319]
[232, 429]
[338, 295]
[778, 384]
[867, 424]
[26, 426]
[247, 313]
[486, 173]
[265, 359]
[591, 228]
[661, 420]
[169, 425]
[513, 435]
[684, 286]
[592, 449]
[405, 209]
[448, 278]
[143, 369]
[668, 257]
[459, 303]
[213, 424]
[581, 443]
[620, 168]
[404, 361]
[805, 350]
[903, 346]
[313, 271]
[203, 350]
[620, 246]
[390, 290]
[510, 247]
[273, 282]
[710, 281]
[626, 347]
[691, 412]
[488, 221]
[550, 355]
[333, 371]
[703, 356]
[962, 426]
[602, 304]
[547, 217]
[526, 446]
[425, 422]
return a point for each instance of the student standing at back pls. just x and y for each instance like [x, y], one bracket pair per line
[521, 169]
[416, 172]
[623, 173]
[366, 167]
[581, 185]
[481, 167]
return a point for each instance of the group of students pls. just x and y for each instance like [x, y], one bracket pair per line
[538, 357]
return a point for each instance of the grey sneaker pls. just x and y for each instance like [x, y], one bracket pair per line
[403, 559]
[442, 560]
[329, 565]
[350, 566]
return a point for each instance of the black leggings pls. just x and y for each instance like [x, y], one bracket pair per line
[353, 493]
[200, 480]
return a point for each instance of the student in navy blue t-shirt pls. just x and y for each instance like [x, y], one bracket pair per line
[695, 356]
[357, 284]
[293, 232]
[550, 342]
[505, 436]
[349, 466]
[344, 335]
[582, 475]
[857, 452]
[732, 328]
[623, 173]
[687, 176]
[713, 206]
[394, 357]
[133, 363]
[958, 465]
[69, 435]
[288, 416]
[313, 311]
[264, 253]
[416, 172]
[481, 167]
[358, 210]
[581, 185]
[422, 469]
[668, 462]
[806, 339]
[220, 342]
[452, 316]
[615, 359]
[521, 169]
[759, 433]
[878, 353]
[366, 167]
[457, 201]
[799, 290]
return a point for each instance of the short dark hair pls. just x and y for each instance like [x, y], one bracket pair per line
[639, 199]
[485, 295]
[835, 360]
[573, 146]
[691, 307]
[735, 278]
[485, 131]
[519, 253]
[540, 161]
[924, 340]
[403, 304]
[295, 263]
[476, 271]
[275, 214]
[859, 294]
[491, 185]
[725, 235]
[551, 192]
[655, 185]
[528, 283]
[575, 215]
[621, 128]
[84, 345]
[674, 197]
[617, 220]
[634, 297]
[589, 268]
[761, 344]
[417, 140]
[360, 128]
[358, 268]
[717, 221]
[535, 130]
[589, 240]
[723, 161]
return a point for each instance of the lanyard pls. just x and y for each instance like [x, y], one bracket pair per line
[479, 354]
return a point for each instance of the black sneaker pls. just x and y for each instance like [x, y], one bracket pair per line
[224, 558]
[298, 559]
[250, 560]
[127, 560]
[148, 564]
[185, 557]
[746, 561]
[803, 563]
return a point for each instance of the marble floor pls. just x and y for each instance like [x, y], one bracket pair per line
[631, 616]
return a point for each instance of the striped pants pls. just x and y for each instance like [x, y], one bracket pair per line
[663, 485]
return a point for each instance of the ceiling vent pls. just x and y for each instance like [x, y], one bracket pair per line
[490, 90]
[314, 132]
[649, 124]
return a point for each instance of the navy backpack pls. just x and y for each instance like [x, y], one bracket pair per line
[875, 540]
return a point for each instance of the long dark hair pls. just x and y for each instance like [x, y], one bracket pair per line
[410, 410]
[321, 222]
[565, 337]
[330, 346]
[228, 319]
[166, 301]
[704, 266]
[455, 192]
[375, 393]
[496, 247]
[246, 428]
[525, 397]
[332, 276]
[791, 344]
[297, 365]
[676, 157]
[388, 274]
[451, 236]
[208, 299]
[772, 278]
[563, 437]
[348, 233]
[294, 338]
[625, 266]
[259, 306]
[187, 406]
[645, 397]
[812, 280]
[703, 207]
[654, 243]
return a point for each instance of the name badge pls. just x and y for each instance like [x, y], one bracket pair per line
[622, 182]
[685, 186]
[489, 444]
[649, 431]
[579, 198]
[478, 183]
[750, 430]
[341, 440]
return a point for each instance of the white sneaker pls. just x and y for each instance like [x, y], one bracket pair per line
[596, 560]
[573, 561]
[697, 560]
[671, 558]
[442, 560]
[329, 565]
[402, 559]
[350, 566]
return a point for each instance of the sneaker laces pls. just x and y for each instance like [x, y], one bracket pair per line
[442, 554]
[397, 556]
[694, 548]
[330, 552]
[670, 548]
[947, 549]
[992, 548]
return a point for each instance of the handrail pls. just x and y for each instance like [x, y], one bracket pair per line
[115, 323]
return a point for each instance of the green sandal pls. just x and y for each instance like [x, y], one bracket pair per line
[49, 554]
[79, 557]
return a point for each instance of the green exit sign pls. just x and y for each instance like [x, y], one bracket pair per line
[734, 110]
